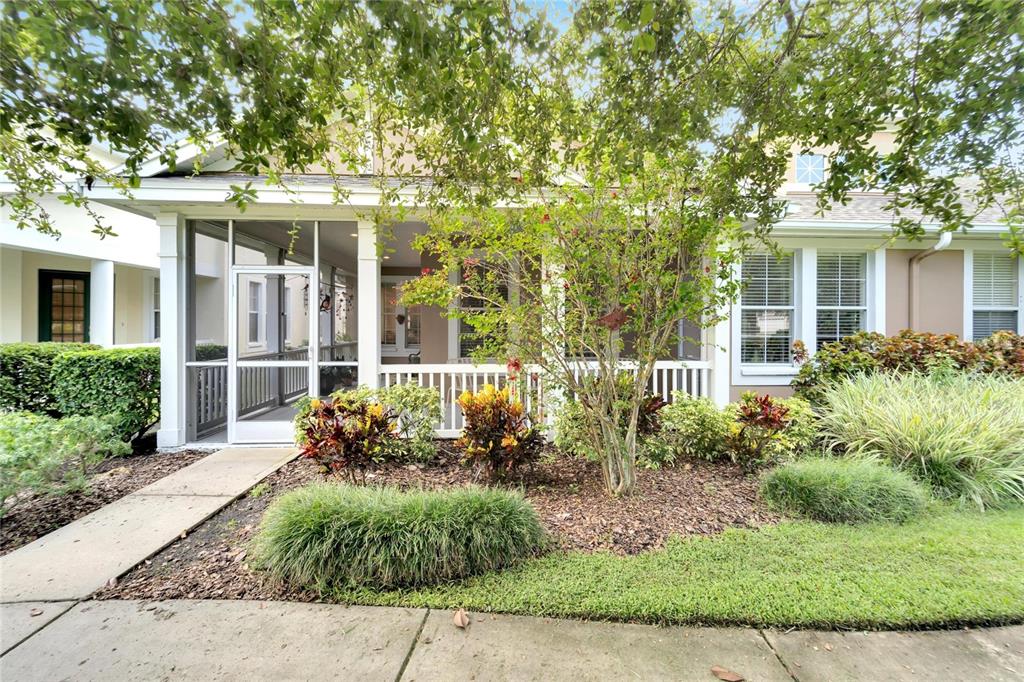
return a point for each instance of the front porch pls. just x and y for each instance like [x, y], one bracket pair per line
[260, 312]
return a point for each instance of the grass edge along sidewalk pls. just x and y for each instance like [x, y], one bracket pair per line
[947, 570]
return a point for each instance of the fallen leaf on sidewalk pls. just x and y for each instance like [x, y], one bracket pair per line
[726, 675]
[35, 612]
[461, 620]
[828, 647]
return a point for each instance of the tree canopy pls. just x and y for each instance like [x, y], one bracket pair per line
[497, 99]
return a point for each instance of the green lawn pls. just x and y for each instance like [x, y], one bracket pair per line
[951, 569]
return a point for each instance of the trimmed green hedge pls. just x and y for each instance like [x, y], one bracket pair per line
[329, 535]
[122, 384]
[25, 375]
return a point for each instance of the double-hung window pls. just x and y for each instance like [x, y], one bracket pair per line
[767, 309]
[842, 279]
[995, 293]
[255, 314]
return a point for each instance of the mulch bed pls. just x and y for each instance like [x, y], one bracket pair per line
[114, 478]
[692, 498]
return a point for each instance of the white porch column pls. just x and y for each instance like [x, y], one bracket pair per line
[718, 352]
[101, 303]
[368, 304]
[807, 298]
[173, 412]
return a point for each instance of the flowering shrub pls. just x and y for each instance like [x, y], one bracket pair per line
[497, 436]
[347, 435]
[870, 352]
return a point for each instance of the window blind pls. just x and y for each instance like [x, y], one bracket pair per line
[995, 293]
[766, 318]
[842, 295]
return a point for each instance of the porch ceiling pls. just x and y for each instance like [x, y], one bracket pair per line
[338, 241]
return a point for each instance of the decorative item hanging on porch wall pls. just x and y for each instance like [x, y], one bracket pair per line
[400, 318]
[325, 303]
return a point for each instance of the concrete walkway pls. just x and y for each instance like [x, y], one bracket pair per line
[74, 561]
[238, 640]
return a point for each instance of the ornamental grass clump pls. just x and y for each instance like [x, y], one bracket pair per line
[329, 535]
[963, 434]
[844, 491]
[497, 436]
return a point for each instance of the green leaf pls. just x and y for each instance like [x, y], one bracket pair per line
[646, 12]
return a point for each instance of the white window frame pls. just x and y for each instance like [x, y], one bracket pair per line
[969, 308]
[805, 305]
[840, 308]
[261, 323]
[151, 294]
[154, 318]
[761, 373]
[399, 349]
[797, 169]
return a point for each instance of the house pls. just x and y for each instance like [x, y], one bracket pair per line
[293, 297]
[76, 286]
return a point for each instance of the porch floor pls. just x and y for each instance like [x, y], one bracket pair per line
[284, 413]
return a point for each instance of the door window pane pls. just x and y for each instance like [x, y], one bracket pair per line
[63, 297]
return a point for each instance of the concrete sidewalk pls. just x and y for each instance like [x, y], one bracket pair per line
[74, 561]
[238, 640]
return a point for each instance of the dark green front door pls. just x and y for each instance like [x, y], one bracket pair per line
[63, 306]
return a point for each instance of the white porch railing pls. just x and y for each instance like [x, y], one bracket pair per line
[265, 387]
[259, 388]
[209, 382]
[450, 380]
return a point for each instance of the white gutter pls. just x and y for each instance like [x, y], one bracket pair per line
[914, 286]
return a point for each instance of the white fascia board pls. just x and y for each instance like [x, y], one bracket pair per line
[187, 152]
[868, 226]
[176, 191]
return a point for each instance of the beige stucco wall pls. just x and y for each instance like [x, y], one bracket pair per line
[20, 279]
[778, 391]
[883, 141]
[130, 308]
[941, 292]
[11, 297]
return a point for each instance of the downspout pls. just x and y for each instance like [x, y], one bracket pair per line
[913, 289]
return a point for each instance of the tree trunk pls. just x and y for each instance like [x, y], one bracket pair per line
[618, 463]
